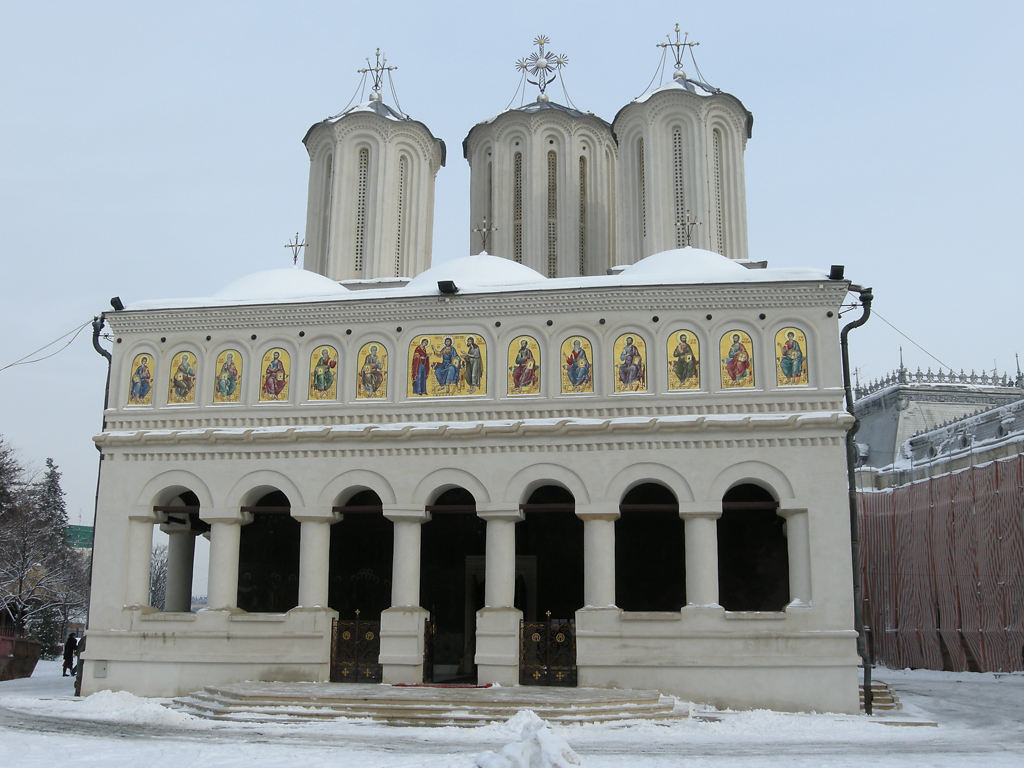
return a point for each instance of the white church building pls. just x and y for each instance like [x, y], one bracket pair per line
[606, 449]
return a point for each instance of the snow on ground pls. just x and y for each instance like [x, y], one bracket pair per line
[980, 721]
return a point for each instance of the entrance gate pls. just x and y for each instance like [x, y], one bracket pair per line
[355, 650]
[547, 652]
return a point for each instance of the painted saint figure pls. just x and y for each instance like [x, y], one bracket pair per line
[685, 365]
[323, 374]
[448, 370]
[183, 380]
[791, 358]
[524, 372]
[142, 383]
[474, 365]
[275, 377]
[577, 366]
[371, 374]
[420, 368]
[227, 377]
[631, 366]
[737, 360]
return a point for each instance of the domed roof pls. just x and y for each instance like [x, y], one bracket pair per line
[288, 284]
[687, 265]
[481, 270]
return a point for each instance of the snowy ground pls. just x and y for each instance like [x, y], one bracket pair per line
[980, 721]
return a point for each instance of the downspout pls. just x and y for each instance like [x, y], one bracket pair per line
[851, 452]
[97, 329]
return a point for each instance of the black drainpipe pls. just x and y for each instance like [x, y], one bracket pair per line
[851, 453]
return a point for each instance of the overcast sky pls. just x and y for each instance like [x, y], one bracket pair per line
[151, 150]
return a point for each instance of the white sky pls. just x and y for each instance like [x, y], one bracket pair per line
[155, 150]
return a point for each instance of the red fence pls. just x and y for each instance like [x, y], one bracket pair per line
[942, 565]
[18, 657]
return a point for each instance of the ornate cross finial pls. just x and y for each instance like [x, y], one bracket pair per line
[483, 230]
[296, 246]
[686, 226]
[542, 65]
[377, 72]
[677, 50]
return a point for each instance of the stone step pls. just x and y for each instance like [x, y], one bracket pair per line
[267, 702]
[883, 697]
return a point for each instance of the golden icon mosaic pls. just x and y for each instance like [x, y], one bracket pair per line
[791, 356]
[140, 390]
[683, 360]
[275, 382]
[577, 365]
[228, 383]
[372, 381]
[737, 362]
[445, 365]
[181, 386]
[629, 359]
[323, 373]
[524, 366]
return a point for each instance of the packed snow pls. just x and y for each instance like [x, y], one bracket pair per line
[961, 719]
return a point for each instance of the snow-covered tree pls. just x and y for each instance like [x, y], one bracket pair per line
[158, 577]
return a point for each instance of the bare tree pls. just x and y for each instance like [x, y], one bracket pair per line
[158, 577]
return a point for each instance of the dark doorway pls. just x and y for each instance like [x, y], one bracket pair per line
[753, 560]
[362, 547]
[552, 535]
[450, 590]
[650, 561]
[268, 557]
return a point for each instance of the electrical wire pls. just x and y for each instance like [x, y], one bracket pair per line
[901, 333]
[25, 360]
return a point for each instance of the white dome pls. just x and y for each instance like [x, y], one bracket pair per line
[477, 271]
[288, 284]
[687, 265]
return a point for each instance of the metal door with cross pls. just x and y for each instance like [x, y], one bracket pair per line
[355, 649]
[547, 652]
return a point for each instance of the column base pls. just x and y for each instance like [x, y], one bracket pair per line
[401, 644]
[497, 645]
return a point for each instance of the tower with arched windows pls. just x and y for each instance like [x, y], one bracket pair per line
[371, 191]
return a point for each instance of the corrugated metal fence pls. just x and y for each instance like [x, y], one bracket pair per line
[942, 562]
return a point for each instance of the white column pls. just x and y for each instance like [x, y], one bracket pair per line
[701, 534]
[500, 571]
[598, 554]
[139, 556]
[799, 547]
[497, 623]
[314, 555]
[402, 625]
[225, 535]
[181, 545]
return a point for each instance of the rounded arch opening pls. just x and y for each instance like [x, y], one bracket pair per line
[362, 547]
[268, 556]
[549, 555]
[753, 558]
[650, 560]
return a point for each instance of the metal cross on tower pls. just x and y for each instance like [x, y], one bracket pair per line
[677, 48]
[686, 226]
[376, 71]
[483, 230]
[296, 246]
[542, 65]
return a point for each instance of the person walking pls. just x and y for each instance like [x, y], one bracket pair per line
[70, 645]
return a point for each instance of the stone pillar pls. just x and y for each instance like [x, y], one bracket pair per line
[701, 534]
[314, 555]
[402, 625]
[799, 547]
[598, 554]
[139, 556]
[225, 534]
[497, 623]
[181, 547]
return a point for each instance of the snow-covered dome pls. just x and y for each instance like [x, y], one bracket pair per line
[288, 284]
[481, 270]
[687, 265]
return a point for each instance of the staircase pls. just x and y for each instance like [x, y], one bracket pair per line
[422, 705]
[883, 697]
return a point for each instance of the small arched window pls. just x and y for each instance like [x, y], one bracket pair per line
[753, 559]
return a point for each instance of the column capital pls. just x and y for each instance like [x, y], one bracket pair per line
[232, 515]
[789, 512]
[400, 513]
[597, 511]
[500, 511]
[689, 510]
[146, 515]
[174, 528]
[313, 515]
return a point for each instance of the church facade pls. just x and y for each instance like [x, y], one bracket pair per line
[601, 457]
